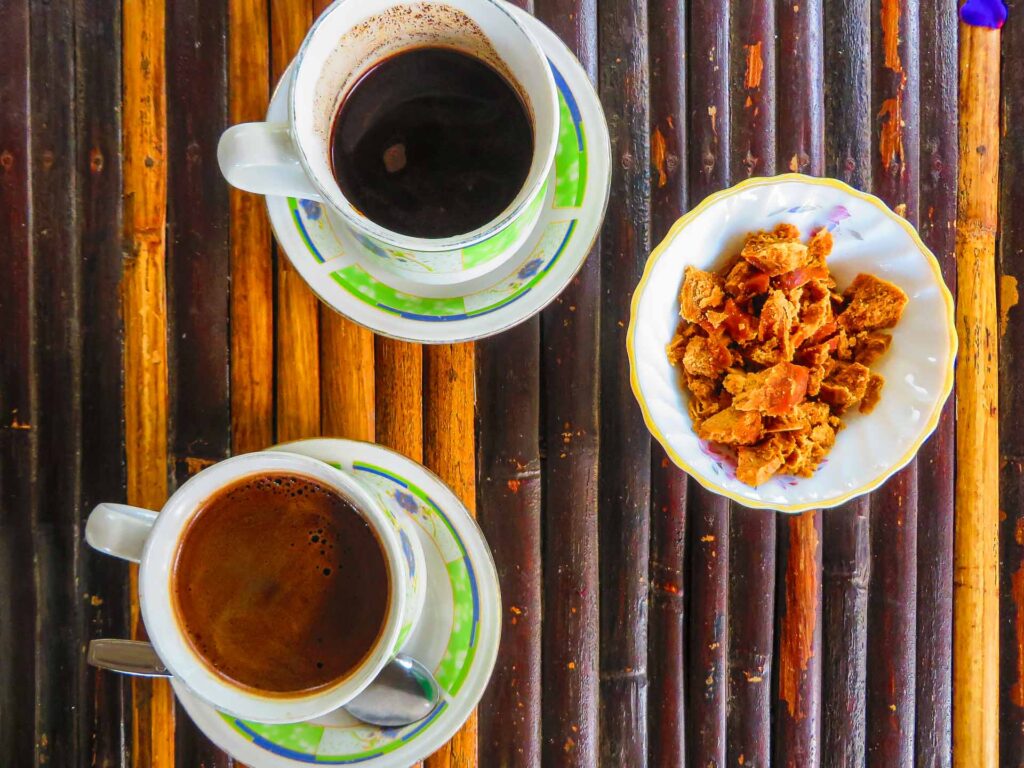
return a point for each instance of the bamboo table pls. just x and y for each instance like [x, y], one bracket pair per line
[148, 328]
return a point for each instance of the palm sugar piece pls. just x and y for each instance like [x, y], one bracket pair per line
[757, 464]
[871, 345]
[703, 357]
[701, 291]
[873, 393]
[734, 382]
[873, 303]
[776, 258]
[773, 391]
[777, 316]
[810, 447]
[732, 427]
[776, 252]
[705, 400]
[815, 379]
[820, 247]
[745, 281]
[740, 326]
[847, 384]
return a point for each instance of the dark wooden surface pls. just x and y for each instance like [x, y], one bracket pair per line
[646, 620]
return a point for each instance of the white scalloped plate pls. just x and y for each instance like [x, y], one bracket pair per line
[869, 237]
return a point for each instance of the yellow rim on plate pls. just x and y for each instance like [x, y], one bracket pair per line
[947, 297]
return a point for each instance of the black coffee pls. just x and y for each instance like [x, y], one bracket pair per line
[431, 143]
[280, 584]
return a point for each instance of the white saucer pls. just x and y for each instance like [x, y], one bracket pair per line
[327, 254]
[456, 637]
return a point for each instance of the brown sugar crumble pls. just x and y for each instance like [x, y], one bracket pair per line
[773, 355]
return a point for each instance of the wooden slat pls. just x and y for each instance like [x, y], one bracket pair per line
[666, 716]
[198, 263]
[751, 532]
[848, 91]
[399, 396]
[845, 547]
[976, 543]
[449, 449]
[892, 595]
[298, 328]
[800, 132]
[18, 412]
[252, 268]
[53, 511]
[347, 402]
[708, 514]
[1011, 399]
[938, 163]
[846, 566]
[569, 381]
[623, 483]
[509, 505]
[144, 309]
[104, 580]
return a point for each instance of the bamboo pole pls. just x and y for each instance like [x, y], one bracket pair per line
[976, 550]
[252, 266]
[144, 306]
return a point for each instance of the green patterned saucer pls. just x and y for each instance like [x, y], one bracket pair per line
[457, 635]
[331, 258]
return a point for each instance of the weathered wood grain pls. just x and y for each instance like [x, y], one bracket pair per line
[752, 539]
[297, 331]
[666, 715]
[399, 396]
[1011, 398]
[509, 506]
[848, 92]
[569, 387]
[1011, 265]
[449, 449]
[347, 402]
[707, 514]
[800, 134]
[144, 309]
[18, 409]
[52, 509]
[198, 248]
[976, 534]
[938, 172]
[252, 267]
[798, 671]
[846, 570]
[198, 264]
[846, 563]
[624, 480]
[892, 594]
[103, 699]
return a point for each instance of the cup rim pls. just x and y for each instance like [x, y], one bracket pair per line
[167, 636]
[455, 242]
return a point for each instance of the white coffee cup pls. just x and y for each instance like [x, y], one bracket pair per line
[153, 539]
[351, 36]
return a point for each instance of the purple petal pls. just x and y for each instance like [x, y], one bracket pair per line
[984, 13]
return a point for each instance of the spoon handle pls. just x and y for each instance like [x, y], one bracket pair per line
[129, 657]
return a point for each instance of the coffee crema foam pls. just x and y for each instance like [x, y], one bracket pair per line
[280, 584]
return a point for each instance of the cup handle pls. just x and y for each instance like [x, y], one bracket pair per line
[119, 530]
[262, 158]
